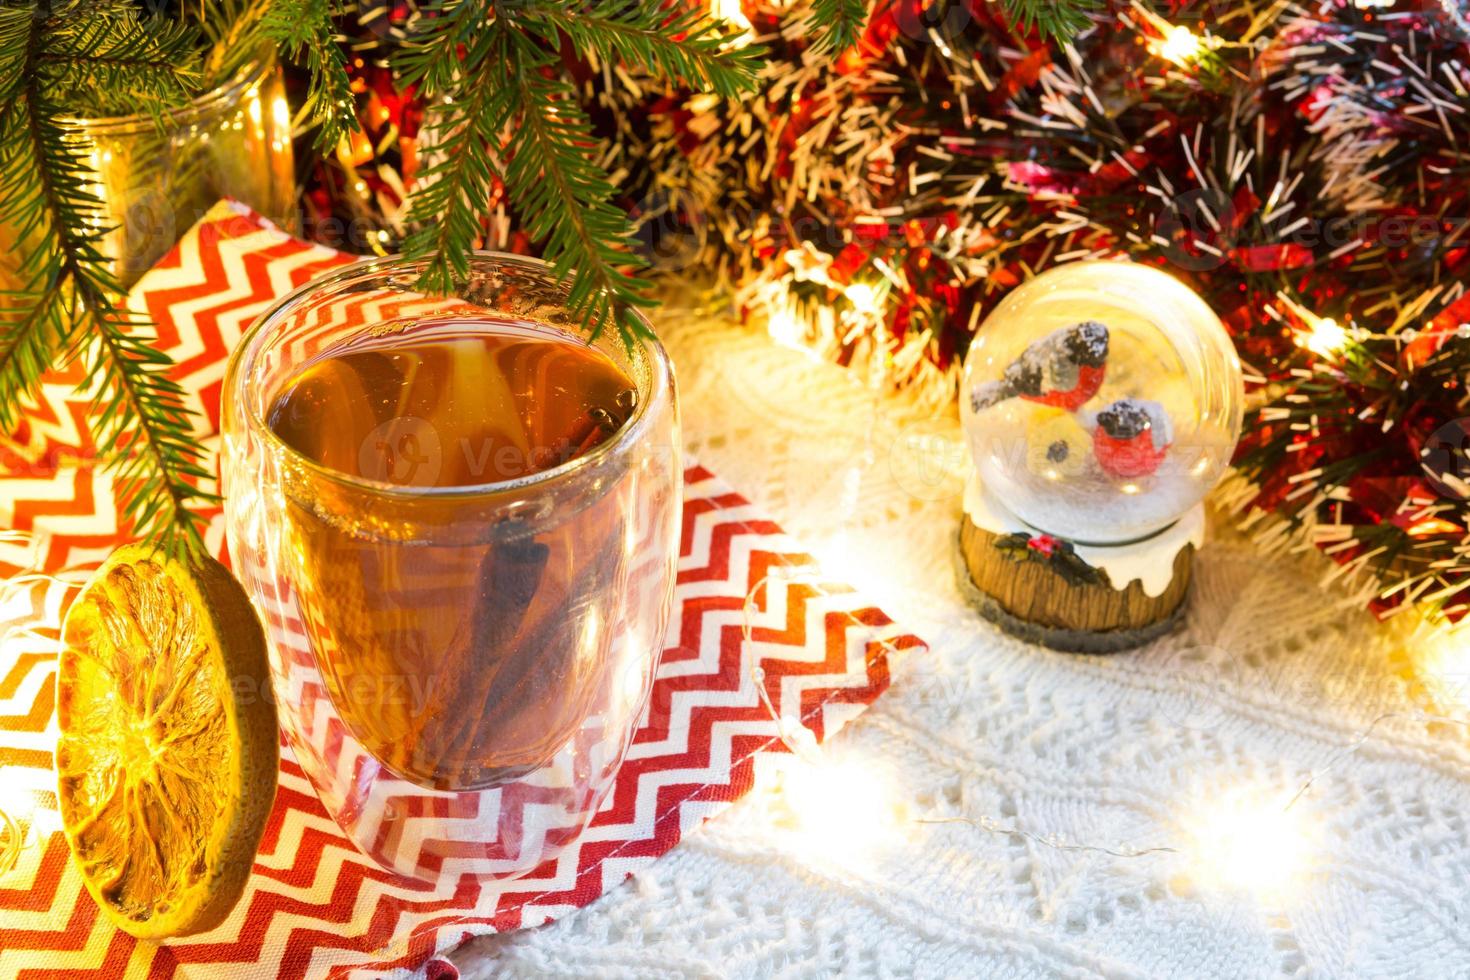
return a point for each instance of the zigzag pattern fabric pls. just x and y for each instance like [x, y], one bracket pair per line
[315, 905]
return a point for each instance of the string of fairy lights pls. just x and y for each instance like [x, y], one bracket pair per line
[828, 806]
[1246, 838]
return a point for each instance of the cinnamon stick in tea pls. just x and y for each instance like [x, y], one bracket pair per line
[460, 648]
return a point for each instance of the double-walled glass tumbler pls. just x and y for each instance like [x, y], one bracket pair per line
[464, 628]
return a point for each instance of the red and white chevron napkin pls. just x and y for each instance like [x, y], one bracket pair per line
[315, 907]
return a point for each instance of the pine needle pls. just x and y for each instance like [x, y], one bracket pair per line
[507, 114]
[1060, 19]
[455, 186]
[304, 30]
[68, 301]
[563, 197]
[686, 46]
[116, 63]
[837, 23]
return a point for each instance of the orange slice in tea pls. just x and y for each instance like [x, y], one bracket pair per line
[166, 765]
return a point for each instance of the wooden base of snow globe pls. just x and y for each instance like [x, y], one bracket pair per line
[1066, 596]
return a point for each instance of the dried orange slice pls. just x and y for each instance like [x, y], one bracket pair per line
[166, 765]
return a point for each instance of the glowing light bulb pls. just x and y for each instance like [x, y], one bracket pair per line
[731, 12]
[863, 297]
[281, 122]
[635, 677]
[785, 325]
[589, 646]
[1432, 525]
[839, 811]
[1325, 338]
[1442, 663]
[1248, 839]
[1179, 45]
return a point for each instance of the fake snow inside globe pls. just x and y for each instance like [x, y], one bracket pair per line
[1101, 401]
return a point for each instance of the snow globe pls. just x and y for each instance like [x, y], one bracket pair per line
[1101, 402]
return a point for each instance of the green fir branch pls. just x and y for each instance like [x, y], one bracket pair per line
[1059, 19]
[113, 62]
[565, 198]
[32, 337]
[837, 24]
[507, 113]
[455, 187]
[34, 318]
[305, 31]
[15, 36]
[232, 29]
[689, 46]
[143, 430]
[430, 59]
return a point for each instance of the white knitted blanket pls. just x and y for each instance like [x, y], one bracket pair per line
[1189, 750]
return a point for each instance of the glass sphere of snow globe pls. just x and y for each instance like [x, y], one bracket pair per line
[1101, 401]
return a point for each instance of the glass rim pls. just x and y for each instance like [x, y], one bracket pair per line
[660, 373]
[252, 72]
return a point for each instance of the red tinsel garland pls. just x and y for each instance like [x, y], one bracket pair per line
[1305, 170]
